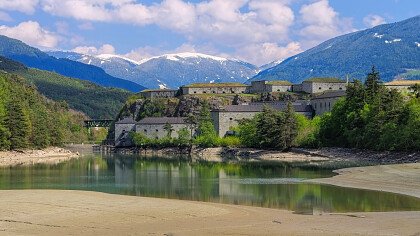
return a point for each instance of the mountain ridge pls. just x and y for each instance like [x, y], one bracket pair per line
[393, 48]
[169, 70]
[33, 57]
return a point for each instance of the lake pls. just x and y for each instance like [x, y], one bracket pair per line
[258, 184]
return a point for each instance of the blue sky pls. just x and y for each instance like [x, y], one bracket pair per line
[257, 31]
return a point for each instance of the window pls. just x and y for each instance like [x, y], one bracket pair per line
[195, 91]
[145, 131]
[224, 92]
[278, 90]
[341, 88]
[330, 88]
[157, 130]
[329, 105]
[204, 92]
[319, 88]
[320, 105]
[230, 118]
[214, 91]
[315, 105]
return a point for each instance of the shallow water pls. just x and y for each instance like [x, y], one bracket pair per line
[273, 186]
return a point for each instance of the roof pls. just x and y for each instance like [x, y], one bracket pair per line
[158, 90]
[126, 120]
[162, 120]
[214, 85]
[324, 80]
[330, 94]
[403, 82]
[279, 82]
[260, 107]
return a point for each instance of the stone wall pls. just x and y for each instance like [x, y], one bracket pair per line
[158, 131]
[258, 86]
[122, 134]
[279, 88]
[223, 121]
[316, 87]
[160, 94]
[322, 105]
[215, 90]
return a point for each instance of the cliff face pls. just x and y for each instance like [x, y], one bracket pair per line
[139, 108]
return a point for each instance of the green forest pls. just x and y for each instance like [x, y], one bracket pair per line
[30, 120]
[95, 101]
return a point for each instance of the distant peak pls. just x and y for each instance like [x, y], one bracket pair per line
[110, 56]
[186, 55]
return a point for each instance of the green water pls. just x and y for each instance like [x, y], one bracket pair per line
[273, 186]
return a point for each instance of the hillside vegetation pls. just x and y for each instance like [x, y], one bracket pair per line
[35, 58]
[95, 101]
[30, 120]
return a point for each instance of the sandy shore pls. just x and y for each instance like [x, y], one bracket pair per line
[402, 178]
[51, 212]
[51, 155]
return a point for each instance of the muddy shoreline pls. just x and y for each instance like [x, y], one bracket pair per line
[52, 155]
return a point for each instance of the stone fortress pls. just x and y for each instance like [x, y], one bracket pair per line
[323, 93]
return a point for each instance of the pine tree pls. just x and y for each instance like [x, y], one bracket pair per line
[4, 136]
[268, 131]
[372, 85]
[288, 128]
[18, 123]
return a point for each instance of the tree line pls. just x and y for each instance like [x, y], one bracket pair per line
[29, 120]
[371, 116]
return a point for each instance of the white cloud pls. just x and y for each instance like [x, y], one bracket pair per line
[373, 20]
[267, 52]
[25, 6]
[91, 50]
[31, 33]
[321, 22]
[217, 22]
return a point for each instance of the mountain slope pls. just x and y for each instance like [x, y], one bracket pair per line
[32, 57]
[172, 70]
[95, 101]
[29, 120]
[393, 48]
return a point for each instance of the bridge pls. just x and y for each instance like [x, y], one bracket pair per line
[98, 123]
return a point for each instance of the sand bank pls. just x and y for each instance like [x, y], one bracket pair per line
[51, 155]
[53, 212]
[401, 178]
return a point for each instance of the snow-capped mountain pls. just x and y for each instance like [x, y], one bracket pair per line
[170, 70]
[393, 48]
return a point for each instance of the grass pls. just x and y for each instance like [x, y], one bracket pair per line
[325, 80]
[279, 82]
[403, 82]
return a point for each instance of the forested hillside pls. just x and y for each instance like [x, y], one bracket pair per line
[392, 48]
[95, 101]
[30, 120]
[35, 58]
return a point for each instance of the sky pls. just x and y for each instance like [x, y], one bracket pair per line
[256, 31]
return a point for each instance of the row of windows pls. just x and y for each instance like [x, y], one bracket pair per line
[325, 105]
[330, 88]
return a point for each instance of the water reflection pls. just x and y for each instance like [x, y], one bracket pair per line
[271, 186]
